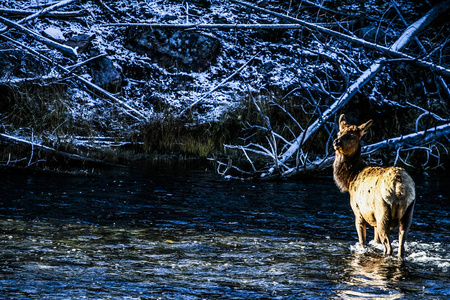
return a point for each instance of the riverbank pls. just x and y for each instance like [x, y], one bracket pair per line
[131, 92]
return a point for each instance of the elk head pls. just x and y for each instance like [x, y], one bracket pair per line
[348, 138]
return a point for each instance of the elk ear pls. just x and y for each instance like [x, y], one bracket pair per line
[342, 122]
[364, 128]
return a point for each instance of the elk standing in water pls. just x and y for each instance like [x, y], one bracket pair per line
[382, 197]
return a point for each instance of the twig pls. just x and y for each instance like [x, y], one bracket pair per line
[426, 113]
[73, 67]
[109, 12]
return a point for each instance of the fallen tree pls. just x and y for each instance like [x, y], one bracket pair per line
[281, 162]
[38, 146]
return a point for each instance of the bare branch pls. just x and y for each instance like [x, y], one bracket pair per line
[55, 14]
[33, 145]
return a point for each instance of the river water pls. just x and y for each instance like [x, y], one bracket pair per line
[127, 234]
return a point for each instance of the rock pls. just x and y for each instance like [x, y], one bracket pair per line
[105, 75]
[182, 50]
[159, 104]
[81, 42]
[54, 34]
[371, 34]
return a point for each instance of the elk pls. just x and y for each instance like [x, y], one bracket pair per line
[382, 197]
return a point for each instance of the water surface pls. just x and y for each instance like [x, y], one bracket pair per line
[127, 234]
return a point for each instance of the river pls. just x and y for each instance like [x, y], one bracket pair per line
[190, 234]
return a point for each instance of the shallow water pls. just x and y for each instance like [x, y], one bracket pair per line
[126, 234]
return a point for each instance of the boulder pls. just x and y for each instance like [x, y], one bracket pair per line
[179, 50]
[105, 75]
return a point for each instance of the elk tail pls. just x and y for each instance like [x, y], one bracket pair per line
[399, 189]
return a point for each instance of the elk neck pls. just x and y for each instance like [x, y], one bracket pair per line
[346, 168]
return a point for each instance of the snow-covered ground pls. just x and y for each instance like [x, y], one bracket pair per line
[163, 73]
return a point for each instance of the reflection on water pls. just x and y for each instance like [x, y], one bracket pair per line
[192, 235]
[373, 277]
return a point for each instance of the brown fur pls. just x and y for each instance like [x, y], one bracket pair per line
[381, 197]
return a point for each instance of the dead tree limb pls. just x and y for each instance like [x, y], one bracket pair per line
[422, 48]
[413, 140]
[42, 12]
[224, 26]
[16, 140]
[55, 14]
[338, 104]
[30, 80]
[73, 67]
[63, 48]
[354, 88]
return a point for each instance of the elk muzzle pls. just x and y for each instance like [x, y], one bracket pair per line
[337, 144]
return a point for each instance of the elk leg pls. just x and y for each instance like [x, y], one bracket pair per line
[361, 229]
[376, 237]
[383, 234]
[403, 228]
